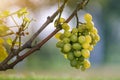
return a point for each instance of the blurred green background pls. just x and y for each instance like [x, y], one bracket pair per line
[106, 55]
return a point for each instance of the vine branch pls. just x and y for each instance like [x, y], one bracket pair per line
[4, 65]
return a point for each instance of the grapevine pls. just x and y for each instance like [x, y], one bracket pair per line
[77, 43]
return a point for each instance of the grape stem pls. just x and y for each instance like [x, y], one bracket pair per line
[5, 66]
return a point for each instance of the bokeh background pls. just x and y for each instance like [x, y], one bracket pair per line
[105, 57]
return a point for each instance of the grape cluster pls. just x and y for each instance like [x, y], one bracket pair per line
[77, 43]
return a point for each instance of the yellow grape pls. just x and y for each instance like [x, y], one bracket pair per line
[62, 20]
[86, 64]
[90, 47]
[85, 45]
[57, 36]
[88, 38]
[88, 17]
[95, 30]
[85, 53]
[97, 37]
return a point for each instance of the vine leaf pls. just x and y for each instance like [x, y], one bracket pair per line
[22, 12]
[4, 14]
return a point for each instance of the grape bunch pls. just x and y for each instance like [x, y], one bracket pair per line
[77, 43]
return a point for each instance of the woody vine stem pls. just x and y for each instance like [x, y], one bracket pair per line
[6, 64]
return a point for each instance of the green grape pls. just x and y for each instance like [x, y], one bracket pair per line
[85, 45]
[76, 46]
[73, 62]
[62, 36]
[70, 56]
[74, 30]
[67, 47]
[67, 33]
[83, 68]
[73, 38]
[61, 21]
[59, 44]
[88, 38]
[81, 27]
[66, 40]
[88, 17]
[81, 58]
[65, 26]
[77, 66]
[85, 53]
[81, 39]
[77, 53]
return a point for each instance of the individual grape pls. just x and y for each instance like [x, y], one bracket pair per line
[90, 25]
[90, 47]
[81, 58]
[97, 37]
[77, 53]
[95, 31]
[85, 45]
[74, 30]
[66, 40]
[86, 64]
[83, 68]
[65, 26]
[70, 56]
[85, 53]
[81, 28]
[62, 36]
[88, 17]
[67, 47]
[81, 39]
[88, 38]
[76, 46]
[57, 36]
[73, 38]
[59, 44]
[73, 62]
[67, 33]
[62, 20]
[77, 66]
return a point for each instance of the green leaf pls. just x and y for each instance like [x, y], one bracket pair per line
[22, 12]
[3, 29]
[4, 14]
[3, 53]
[9, 41]
[1, 41]
[26, 19]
